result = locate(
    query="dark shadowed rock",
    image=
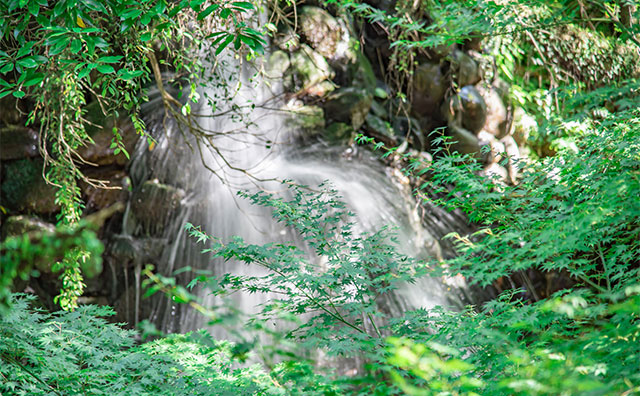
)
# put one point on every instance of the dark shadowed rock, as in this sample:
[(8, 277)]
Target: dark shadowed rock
[(428, 89), (99, 198), (18, 142), (349, 105), (153, 204), (20, 225), (101, 152), (338, 132), (465, 141), (9, 113), (466, 109), (24, 190), (466, 69), (379, 127)]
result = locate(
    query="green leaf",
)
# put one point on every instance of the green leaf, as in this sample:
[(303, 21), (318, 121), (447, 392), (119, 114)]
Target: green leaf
[(84, 72), (34, 8), (145, 37), (243, 4), (224, 44), (105, 69), (208, 11), (28, 63), (33, 81), (109, 59), (18, 94), (7, 68), (76, 46), (131, 13)]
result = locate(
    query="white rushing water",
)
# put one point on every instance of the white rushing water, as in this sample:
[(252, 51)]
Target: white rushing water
[(251, 158)]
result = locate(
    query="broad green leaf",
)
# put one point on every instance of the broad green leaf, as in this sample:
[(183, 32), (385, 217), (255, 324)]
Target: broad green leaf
[(224, 44), (243, 4), (105, 69), (33, 81), (109, 59), (29, 63), (207, 11), (7, 68)]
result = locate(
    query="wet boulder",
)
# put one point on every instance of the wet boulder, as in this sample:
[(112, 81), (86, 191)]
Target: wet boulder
[(428, 89), (496, 119), (286, 39), (349, 105), (101, 132), (523, 126), (154, 203), (20, 225), (361, 75), (338, 132), (379, 128), (326, 34), (467, 70), (467, 109), (277, 65), (495, 150), (496, 171), (18, 142), (410, 129), (308, 72), (306, 120), (513, 154)]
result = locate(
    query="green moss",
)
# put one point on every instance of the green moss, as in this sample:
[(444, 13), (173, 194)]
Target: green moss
[(19, 177)]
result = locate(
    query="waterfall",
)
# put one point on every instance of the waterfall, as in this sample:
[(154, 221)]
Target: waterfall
[(252, 149)]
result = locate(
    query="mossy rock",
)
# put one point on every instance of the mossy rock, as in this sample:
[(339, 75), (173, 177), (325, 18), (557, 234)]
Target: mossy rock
[(307, 70), (24, 190), (306, 121), (339, 132), (349, 105), (326, 34)]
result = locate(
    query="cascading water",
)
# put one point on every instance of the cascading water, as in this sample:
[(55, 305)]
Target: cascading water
[(201, 187)]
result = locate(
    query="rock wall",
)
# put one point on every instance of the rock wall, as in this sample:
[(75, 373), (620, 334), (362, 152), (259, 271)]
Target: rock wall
[(338, 74), (27, 202)]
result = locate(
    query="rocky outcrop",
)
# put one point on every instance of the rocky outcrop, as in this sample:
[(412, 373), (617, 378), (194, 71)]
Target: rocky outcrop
[(327, 35)]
